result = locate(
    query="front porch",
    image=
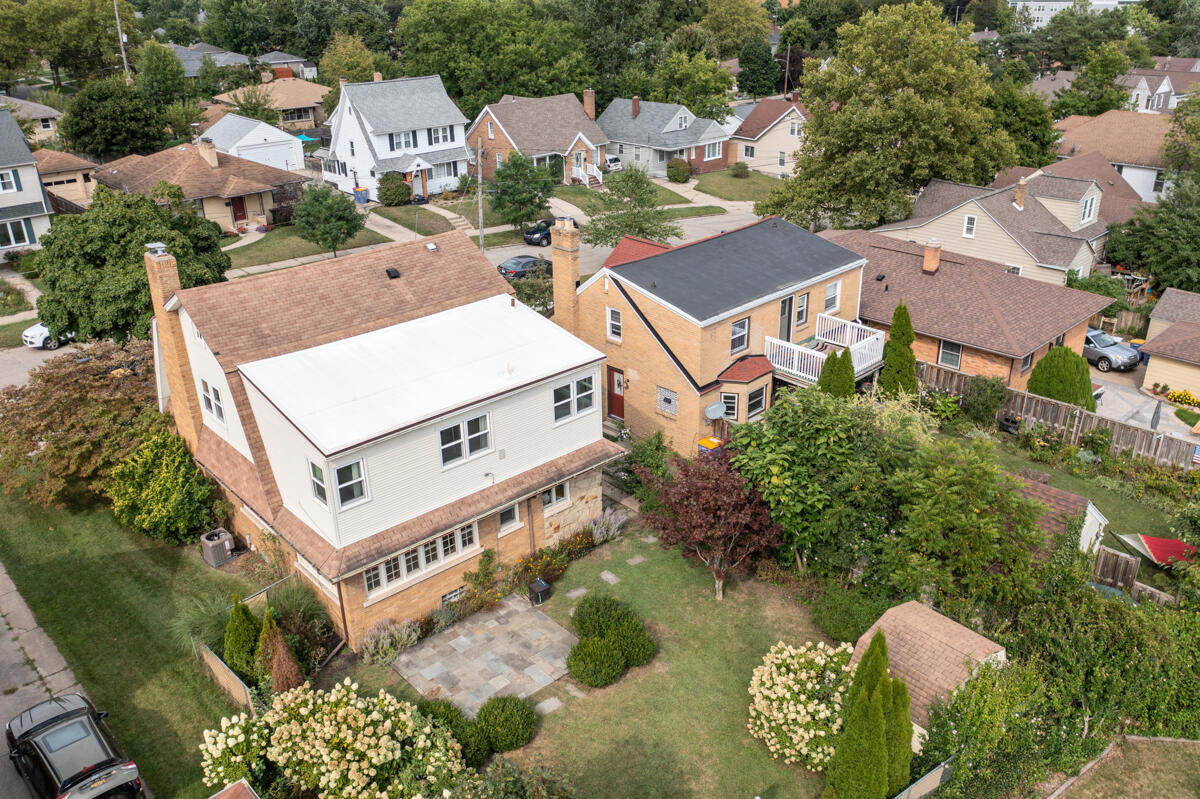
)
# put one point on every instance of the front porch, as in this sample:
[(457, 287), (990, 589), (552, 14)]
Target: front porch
[(804, 363)]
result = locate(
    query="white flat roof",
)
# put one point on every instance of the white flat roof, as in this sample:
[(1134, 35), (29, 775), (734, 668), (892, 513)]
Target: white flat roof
[(351, 391)]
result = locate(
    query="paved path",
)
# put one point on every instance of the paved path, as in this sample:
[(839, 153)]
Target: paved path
[(30, 291), (16, 363), (386, 227), (697, 197), (1126, 403), (249, 237)]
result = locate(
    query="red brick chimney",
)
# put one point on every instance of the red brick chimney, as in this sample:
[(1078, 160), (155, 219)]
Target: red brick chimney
[(637, 105), (933, 257), (1019, 195), (565, 244), (163, 275), (589, 103)]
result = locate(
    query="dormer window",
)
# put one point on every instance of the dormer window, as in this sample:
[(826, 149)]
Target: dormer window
[(1088, 211), (682, 122)]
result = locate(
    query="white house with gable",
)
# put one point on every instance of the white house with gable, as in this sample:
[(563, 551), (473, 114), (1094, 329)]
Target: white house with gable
[(257, 141)]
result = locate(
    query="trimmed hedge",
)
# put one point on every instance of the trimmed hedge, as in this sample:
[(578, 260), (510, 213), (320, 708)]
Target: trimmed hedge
[(629, 637), (508, 722), (476, 748), (597, 613), (596, 662), (679, 170)]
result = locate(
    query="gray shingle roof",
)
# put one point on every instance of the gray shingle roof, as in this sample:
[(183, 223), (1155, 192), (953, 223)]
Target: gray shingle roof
[(29, 109), (192, 57), (619, 124), (231, 129), (390, 106), (541, 125), (278, 57), (21, 211), (13, 149), (404, 163)]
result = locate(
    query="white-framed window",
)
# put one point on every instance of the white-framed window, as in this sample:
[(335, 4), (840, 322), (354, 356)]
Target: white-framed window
[(442, 134), (446, 170), (491, 130), (614, 324), (351, 484), (681, 123), (316, 476), (211, 397), (1013, 269), (756, 402), (1088, 212), (454, 596), (1159, 182), (712, 150), (794, 128), (801, 309), (1027, 362), (668, 401), (730, 402), (969, 226), (748, 150), (465, 440), (555, 495), (499, 160), (423, 556), (833, 296), (9, 181), (13, 234), (574, 398), (950, 354), (739, 335), (449, 544), (47, 123), (409, 138), (510, 518), (782, 158), (430, 552)]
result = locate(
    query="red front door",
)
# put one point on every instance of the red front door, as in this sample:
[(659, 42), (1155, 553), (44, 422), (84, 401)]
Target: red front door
[(239, 209), (616, 393)]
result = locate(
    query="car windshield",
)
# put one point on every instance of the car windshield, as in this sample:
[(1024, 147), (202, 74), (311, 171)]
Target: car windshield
[(1104, 340), (514, 263)]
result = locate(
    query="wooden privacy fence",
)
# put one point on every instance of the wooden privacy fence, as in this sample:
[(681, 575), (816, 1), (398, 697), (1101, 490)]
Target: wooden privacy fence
[(1124, 320), (1071, 421), (230, 683), (1116, 568), (928, 783)]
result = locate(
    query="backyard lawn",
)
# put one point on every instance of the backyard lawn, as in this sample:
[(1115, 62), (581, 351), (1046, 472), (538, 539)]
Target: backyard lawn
[(1145, 769), (416, 218), (10, 334), (107, 596), (724, 185), (283, 243), (676, 727)]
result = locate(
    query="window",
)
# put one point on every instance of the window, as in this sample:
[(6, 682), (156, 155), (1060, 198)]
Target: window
[(499, 160), (1027, 362), (782, 157), (1013, 269), (211, 396), (10, 181), (747, 150), (794, 128), (712, 150), (950, 354), (372, 579), (801, 309), (668, 401), (1089, 210), (474, 432), (491, 130), (620, 149), (731, 402), (1159, 183), (574, 398), (351, 483), (833, 296), (13, 234), (316, 475), (449, 544), (555, 495), (614, 324), (429, 552), (296, 114), (466, 536), (441, 135), (351, 148), (756, 402), (47, 123), (739, 335), (969, 226), (446, 170), (510, 518), (454, 596), (421, 557), (1058, 342), (412, 560)]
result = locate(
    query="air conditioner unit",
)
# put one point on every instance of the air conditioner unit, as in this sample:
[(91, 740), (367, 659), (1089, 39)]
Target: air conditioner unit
[(217, 547)]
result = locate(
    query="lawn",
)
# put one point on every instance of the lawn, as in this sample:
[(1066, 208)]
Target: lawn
[(11, 299), (689, 211), (724, 185), (106, 597), (416, 218), (1187, 417), (676, 727), (283, 243), (371, 678), (468, 208), (501, 238), (10, 334), (585, 199), (1145, 769)]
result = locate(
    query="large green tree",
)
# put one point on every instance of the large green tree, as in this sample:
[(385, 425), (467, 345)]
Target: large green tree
[(902, 102), (237, 25), (1062, 374), (1072, 33), (255, 102), (899, 372), (996, 15), (615, 35), (629, 207), (79, 36), (837, 375), (1181, 150), (759, 70), (345, 57), (1164, 239), (326, 217), (698, 83), (1026, 118), (858, 767), (1187, 23), (17, 60), (1094, 89), (520, 191), (825, 17), (108, 119), (732, 23), (160, 75)]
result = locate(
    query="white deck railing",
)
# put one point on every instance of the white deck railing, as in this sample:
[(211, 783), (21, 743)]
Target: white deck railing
[(594, 171), (865, 343), (577, 173), (794, 360)]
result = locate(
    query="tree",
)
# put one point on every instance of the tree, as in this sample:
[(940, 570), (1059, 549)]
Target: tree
[(78, 36), (241, 638), (159, 491), (535, 290), (92, 265), (1164, 239), (797, 32), (16, 58), (521, 191), (732, 23), (284, 670), (996, 15), (859, 765), (1094, 89), (504, 779), (712, 513), (394, 189), (826, 17), (698, 83), (872, 669), (899, 372), (318, 21), (902, 102), (837, 375), (1063, 375), (1187, 22), (616, 35), (1181, 151), (760, 71), (180, 115), (1105, 286), (692, 40), (255, 102), (1027, 119), (326, 217), (236, 25), (898, 730), (108, 119), (181, 31), (345, 57), (160, 75), (629, 208)]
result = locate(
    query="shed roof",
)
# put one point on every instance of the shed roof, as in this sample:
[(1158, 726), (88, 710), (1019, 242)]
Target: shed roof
[(1061, 506)]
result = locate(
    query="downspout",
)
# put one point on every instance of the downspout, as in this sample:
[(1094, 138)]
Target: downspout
[(342, 606)]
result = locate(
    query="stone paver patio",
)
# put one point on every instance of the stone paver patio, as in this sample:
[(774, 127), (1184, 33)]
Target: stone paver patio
[(514, 649)]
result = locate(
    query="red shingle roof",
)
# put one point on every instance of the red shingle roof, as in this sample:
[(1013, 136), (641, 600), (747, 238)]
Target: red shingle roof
[(746, 369), (633, 248), (765, 115)]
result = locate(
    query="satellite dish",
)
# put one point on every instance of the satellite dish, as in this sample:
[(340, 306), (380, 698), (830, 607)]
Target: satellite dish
[(714, 411)]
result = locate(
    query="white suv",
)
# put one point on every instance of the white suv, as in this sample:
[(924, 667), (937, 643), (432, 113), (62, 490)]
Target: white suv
[(39, 337)]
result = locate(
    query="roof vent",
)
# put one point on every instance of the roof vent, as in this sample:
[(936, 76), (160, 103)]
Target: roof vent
[(157, 248), (879, 276), (431, 247), (392, 272)]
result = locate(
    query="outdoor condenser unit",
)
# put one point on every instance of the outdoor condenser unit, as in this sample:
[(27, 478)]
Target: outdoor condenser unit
[(217, 547)]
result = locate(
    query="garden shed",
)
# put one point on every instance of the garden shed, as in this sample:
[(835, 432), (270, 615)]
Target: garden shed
[(1062, 507)]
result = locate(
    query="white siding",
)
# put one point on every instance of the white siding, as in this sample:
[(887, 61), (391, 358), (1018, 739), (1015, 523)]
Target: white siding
[(31, 192), (205, 367), (281, 153), (775, 140), (991, 242), (1141, 179)]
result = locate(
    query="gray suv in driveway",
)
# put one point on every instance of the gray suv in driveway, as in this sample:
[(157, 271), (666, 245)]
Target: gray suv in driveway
[(1105, 352)]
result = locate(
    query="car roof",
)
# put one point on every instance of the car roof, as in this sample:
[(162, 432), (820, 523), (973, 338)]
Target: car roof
[(45, 712), (79, 753)]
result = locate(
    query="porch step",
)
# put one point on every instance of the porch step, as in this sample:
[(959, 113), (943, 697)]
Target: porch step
[(460, 223), (594, 183), (611, 428)]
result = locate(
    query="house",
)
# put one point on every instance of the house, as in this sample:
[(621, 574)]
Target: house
[(1131, 142), (24, 206), (933, 654), (1062, 509), (192, 56), (255, 140), (699, 336), (647, 135), (1174, 358), (1150, 90), (1049, 83), (278, 60), (969, 315), (548, 130), (407, 125), (385, 417), (298, 101), (231, 191), (985, 35), (1041, 227), (1118, 199), (68, 179), (1176, 64), (238, 790), (1175, 305), (1042, 11), (44, 118), (768, 137)]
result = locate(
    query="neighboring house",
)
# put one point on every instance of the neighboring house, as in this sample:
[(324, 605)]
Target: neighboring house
[(277, 60), (44, 118), (933, 654), (257, 141), (647, 135), (68, 179), (1041, 227), (546, 129), (984, 35), (1062, 510), (699, 336), (298, 101), (1150, 90), (1118, 199), (385, 418), (238, 790), (1042, 11), (1175, 305), (212, 114), (1131, 142), (1176, 64), (767, 139), (1174, 357), (192, 56), (231, 191), (1049, 83), (969, 315), (24, 206), (407, 125)]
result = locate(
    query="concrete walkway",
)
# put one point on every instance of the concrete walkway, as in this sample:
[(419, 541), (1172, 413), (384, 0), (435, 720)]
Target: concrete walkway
[(698, 197), (386, 227), (249, 237), (1126, 403), (30, 291)]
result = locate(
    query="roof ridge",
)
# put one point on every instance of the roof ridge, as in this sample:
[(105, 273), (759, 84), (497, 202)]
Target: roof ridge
[(987, 297)]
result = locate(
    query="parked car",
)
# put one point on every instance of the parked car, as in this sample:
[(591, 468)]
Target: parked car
[(63, 749), (39, 337), (1106, 353), (523, 266), (419, 199), (539, 234), (612, 163)]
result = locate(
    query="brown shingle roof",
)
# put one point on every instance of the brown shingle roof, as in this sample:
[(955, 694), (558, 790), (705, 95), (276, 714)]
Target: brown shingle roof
[(1175, 63), (633, 248), (284, 93), (1176, 305), (1120, 199), (1052, 82), (187, 169), (1180, 341), (1124, 137), (238, 790), (764, 116), (970, 300), (1061, 506), (294, 309), (51, 162), (932, 653), (541, 125)]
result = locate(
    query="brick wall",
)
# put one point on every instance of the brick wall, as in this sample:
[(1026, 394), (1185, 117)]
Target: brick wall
[(162, 272), (695, 157), (500, 143)]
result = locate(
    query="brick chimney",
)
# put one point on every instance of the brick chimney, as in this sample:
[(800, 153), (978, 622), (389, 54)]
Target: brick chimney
[(795, 97), (1019, 195), (637, 105), (182, 400), (267, 76), (565, 245), (377, 77), (589, 103), (208, 151), (933, 257)]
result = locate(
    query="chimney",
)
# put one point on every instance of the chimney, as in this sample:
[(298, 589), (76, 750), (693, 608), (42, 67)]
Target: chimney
[(342, 81), (637, 105), (377, 77), (565, 261), (589, 103), (267, 76), (795, 97), (208, 151), (933, 257), (170, 348), (1019, 195)]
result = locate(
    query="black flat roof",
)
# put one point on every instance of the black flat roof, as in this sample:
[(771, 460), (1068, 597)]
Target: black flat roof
[(714, 276)]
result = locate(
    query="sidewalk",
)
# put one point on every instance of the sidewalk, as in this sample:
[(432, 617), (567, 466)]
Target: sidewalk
[(258, 269), (30, 291), (689, 191)]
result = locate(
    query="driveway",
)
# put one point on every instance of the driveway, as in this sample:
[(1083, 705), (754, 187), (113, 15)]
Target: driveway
[(1124, 402), (15, 363)]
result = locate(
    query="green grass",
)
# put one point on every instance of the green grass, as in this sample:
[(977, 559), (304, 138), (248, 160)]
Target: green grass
[(468, 208), (585, 199), (501, 238), (1187, 417), (724, 185), (371, 678), (668, 197), (283, 243), (676, 727), (10, 334), (105, 596), (1146, 769), (694, 210), (416, 218), (12, 300)]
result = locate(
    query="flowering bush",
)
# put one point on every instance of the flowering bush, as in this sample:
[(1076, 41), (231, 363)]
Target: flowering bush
[(796, 706), (1183, 397), (339, 745), (383, 642)]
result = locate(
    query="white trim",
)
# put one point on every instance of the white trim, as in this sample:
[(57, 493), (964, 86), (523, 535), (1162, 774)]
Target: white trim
[(608, 323), (708, 157), (780, 118), (758, 413), (556, 505), (732, 335), (941, 344), (366, 494), (837, 306), (736, 408), (981, 210), (573, 401), (515, 524), (970, 221), (318, 579), (387, 589), (586, 141), (312, 482), (464, 440)]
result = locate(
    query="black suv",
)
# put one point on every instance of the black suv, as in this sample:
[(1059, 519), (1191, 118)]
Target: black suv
[(539, 234), (63, 749)]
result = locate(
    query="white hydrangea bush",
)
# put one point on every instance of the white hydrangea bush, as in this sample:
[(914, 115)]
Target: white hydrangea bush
[(337, 744), (796, 701)]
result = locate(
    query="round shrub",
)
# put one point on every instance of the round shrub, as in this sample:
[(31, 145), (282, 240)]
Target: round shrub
[(596, 613), (596, 662), (679, 171), (470, 736), (740, 170), (384, 641), (393, 190), (508, 722), (628, 636)]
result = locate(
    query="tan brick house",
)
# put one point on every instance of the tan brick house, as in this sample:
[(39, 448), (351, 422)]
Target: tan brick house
[(701, 335), (379, 420), (1173, 342), (970, 315)]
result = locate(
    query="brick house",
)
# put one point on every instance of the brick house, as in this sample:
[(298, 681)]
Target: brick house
[(970, 315), (648, 135), (546, 129), (701, 335), (378, 420)]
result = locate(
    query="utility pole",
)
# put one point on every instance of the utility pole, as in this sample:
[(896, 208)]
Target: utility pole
[(121, 39), (479, 185)]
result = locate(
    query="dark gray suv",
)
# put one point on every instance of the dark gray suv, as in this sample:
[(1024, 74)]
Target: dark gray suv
[(63, 750), (1105, 352)]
